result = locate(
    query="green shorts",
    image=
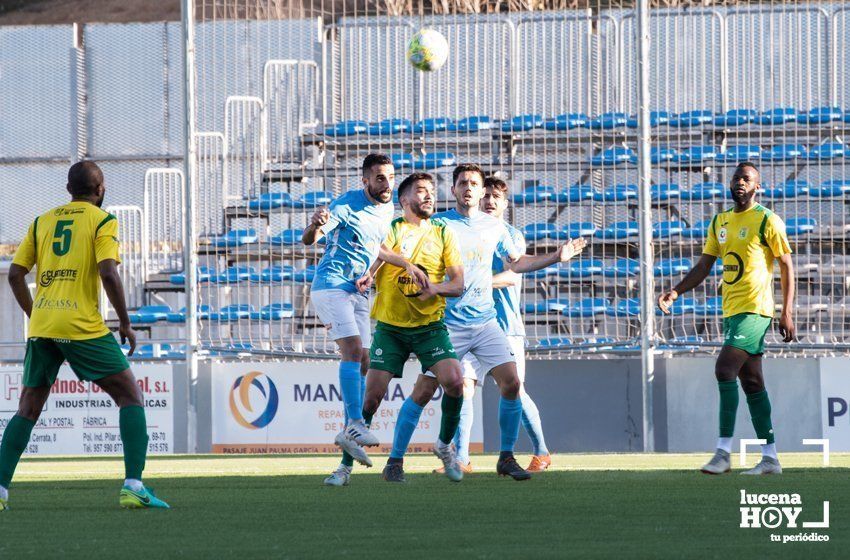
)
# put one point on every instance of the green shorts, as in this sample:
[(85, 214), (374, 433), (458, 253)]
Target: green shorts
[(392, 346), (746, 331), (91, 360)]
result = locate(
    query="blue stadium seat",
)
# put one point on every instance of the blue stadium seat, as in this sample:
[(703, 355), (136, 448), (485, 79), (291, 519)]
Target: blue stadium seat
[(471, 124), (576, 193), (624, 308), (617, 193), (566, 121), (150, 314), (233, 312), (522, 123), (800, 225), (820, 115), (709, 307), (177, 352), (578, 229), (784, 152), (613, 156), (846, 117), (388, 127), (664, 191), (534, 194), (788, 189), (704, 191), (555, 342), (780, 115), (273, 312), (834, 188), (541, 230), (435, 124), (312, 200), (691, 342), (555, 305), (671, 267), (347, 128), (402, 161), (692, 118), (697, 231), (287, 237), (274, 275), (235, 274), (581, 268), (180, 316), (655, 118), (434, 160), (681, 306), (698, 154), (607, 121), (660, 154), (735, 117), (666, 230), (544, 273), (304, 276), (205, 274), (588, 307), (270, 201), (619, 230), (740, 153), (622, 268), (142, 352), (827, 150), (717, 268), (235, 238)]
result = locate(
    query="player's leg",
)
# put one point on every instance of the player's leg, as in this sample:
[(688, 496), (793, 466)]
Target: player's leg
[(41, 365), (408, 419), (450, 377), (752, 381), (726, 369), (496, 356), (471, 377), (530, 413)]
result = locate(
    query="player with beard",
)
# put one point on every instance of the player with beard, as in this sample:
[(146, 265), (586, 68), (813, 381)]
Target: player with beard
[(355, 225), (748, 238), (409, 315)]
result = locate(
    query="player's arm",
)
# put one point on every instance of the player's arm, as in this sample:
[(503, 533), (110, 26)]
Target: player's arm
[(112, 285), (18, 283), (313, 232), (506, 279), (364, 283), (529, 263), (692, 279), (391, 257), (453, 287), (786, 320)]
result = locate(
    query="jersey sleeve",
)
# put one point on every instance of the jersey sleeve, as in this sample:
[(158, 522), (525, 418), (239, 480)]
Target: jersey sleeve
[(712, 247), (106, 243), (25, 255), (506, 246), (392, 236), (775, 237), (451, 248)]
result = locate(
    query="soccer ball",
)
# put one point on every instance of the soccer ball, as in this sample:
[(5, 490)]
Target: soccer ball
[(428, 50)]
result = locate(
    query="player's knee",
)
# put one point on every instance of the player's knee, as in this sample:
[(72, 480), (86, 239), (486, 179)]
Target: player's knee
[(371, 402), (725, 372), (750, 385), (454, 387), (31, 403), (510, 388)]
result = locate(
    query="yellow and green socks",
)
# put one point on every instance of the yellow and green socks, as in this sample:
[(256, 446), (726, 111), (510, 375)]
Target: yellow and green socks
[(15, 440), (450, 407), (134, 436)]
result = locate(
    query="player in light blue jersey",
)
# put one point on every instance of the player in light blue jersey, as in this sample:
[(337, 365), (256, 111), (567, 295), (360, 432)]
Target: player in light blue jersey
[(471, 318), (355, 225), (507, 293)]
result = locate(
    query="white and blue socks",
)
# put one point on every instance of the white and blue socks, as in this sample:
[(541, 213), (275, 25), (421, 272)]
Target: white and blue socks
[(350, 383), (408, 419), (464, 431), (510, 414), (532, 424)]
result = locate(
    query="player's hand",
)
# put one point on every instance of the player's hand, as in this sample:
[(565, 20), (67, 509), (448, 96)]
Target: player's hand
[(428, 292), (572, 248), (364, 283), (786, 327), (419, 276), (320, 217), (128, 335), (665, 301)]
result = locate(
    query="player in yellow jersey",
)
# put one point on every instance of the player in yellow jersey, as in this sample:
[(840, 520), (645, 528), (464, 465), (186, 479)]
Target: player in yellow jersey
[(748, 238), (409, 315), (74, 248)]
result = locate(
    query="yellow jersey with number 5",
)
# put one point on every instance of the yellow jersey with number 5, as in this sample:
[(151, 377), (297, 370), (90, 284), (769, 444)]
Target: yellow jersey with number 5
[(65, 245), (747, 243)]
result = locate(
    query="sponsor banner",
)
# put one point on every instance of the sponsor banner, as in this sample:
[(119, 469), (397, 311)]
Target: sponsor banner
[(835, 402), (79, 418), (289, 407)]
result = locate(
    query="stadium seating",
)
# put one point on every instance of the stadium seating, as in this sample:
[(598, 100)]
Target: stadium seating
[(617, 193), (834, 188), (740, 153), (312, 200), (522, 123), (233, 312), (698, 154), (664, 191), (274, 312), (712, 306), (681, 306), (347, 128), (555, 305), (692, 118), (389, 127), (235, 238), (581, 268), (697, 231), (622, 268), (567, 121), (827, 150), (619, 230), (607, 121), (656, 118), (784, 152), (273, 275), (287, 237), (471, 124), (666, 230), (614, 156), (660, 155), (735, 117), (780, 115), (704, 191), (435, 124), (180, 316), (150, 314), (534, 194), (555, 342), (304, 276), (576, 193), (545, 230), (205, 274), (270, 201), (820, 115), (800, 225), (788, 189), (672, 267), (624, 308), (587, 307), (235, 274)]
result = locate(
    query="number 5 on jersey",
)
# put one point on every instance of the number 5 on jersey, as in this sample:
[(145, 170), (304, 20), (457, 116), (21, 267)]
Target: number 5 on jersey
[(62, 237)]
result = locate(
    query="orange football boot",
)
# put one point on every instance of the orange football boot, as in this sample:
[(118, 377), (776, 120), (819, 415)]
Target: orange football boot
[(466, 469), (539, 463)]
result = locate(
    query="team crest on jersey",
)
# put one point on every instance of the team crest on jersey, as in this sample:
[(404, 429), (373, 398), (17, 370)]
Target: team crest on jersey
[(721, 235), (743, 233), (407, 245)]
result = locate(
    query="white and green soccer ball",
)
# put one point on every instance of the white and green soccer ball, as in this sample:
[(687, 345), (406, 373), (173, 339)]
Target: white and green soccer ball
[(428, 50)]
